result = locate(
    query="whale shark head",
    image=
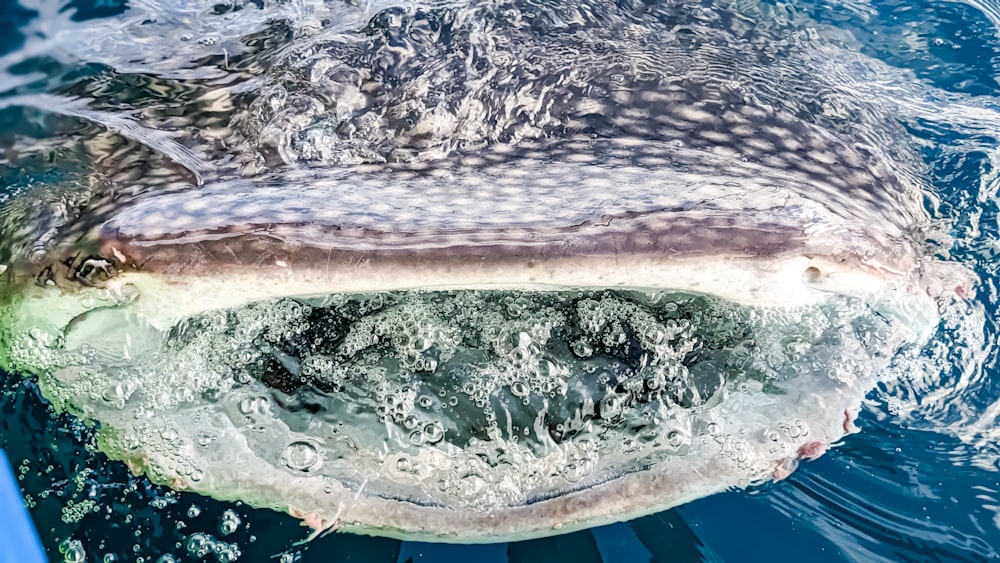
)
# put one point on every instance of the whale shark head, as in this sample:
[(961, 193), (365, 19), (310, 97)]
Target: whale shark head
[(413, 283)]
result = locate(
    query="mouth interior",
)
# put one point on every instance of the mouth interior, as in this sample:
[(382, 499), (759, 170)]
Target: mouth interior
[(476, 399)]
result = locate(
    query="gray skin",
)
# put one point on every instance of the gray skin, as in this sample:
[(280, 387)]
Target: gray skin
[(473, 90), (504, 146)]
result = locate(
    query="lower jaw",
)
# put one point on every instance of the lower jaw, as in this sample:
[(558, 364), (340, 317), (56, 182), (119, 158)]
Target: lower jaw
[(476, 415)]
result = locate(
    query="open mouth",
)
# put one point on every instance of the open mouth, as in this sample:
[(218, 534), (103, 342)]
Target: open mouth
[(474, 415)]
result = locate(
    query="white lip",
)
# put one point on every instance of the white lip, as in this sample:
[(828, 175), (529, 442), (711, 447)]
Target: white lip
[(790, 280)]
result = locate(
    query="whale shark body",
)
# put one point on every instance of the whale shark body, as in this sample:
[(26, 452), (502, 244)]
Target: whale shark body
[(479, 272)]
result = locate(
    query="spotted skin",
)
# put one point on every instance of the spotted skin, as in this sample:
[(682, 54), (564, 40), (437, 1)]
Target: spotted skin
[(498, 130)]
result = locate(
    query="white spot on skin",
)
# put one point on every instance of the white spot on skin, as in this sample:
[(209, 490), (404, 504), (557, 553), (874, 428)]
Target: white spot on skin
[(823, 157), (695, 115), (760, 144), (716, 136), (791, 144), (668, 97)]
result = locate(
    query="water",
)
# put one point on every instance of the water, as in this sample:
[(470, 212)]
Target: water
[(919, 481)]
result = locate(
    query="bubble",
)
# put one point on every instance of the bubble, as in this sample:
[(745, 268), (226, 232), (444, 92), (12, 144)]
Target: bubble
[(742, 452), (792, 430), (550, 369), (249, 405), (227, 553), (629, 445), (125, 294), (229, 522), (433, 432), (427, 365), (655, 381), (519, 389), (114, 394), (811, 275), (675, 438), (611, 406), (72, 551), (301, 456), (421, 344), (653, 335), (802, 427), (582, 349), (471, 485), (403, 464), (199, 544), (162, 502), (417, 438)]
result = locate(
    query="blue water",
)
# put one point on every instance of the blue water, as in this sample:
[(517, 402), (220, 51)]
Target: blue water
[(920, 482)]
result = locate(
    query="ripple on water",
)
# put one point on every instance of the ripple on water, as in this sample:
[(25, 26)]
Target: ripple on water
[(919, 480)]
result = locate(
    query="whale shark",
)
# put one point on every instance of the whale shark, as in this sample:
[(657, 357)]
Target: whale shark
[(478, 271)]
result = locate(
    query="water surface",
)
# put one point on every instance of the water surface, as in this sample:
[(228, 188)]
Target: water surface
[(919, 481)]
